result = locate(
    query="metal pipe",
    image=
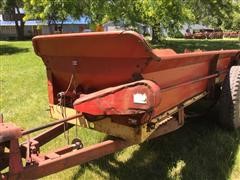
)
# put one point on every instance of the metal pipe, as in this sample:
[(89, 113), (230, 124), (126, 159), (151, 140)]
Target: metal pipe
[(50, 124), (69, 159), (193, 81)]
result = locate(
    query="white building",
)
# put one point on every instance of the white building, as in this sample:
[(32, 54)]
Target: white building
[(120, 26), (37, 27)]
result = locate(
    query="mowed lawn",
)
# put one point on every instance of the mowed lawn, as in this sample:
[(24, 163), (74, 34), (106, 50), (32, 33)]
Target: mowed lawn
[(199, 150)]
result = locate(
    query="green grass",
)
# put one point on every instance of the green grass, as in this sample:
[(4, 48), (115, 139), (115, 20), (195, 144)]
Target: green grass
[(192, 44), (199, 150)]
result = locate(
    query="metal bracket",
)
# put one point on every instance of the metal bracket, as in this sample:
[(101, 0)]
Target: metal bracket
[(181, 114), (211, 82), (50, 86), (15, 159)]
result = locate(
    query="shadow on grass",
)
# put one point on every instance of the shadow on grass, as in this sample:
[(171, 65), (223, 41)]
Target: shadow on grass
[(180, 45), (199, 150), (9, 50)]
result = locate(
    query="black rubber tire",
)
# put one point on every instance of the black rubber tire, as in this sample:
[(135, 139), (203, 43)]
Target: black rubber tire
[(229, 115)]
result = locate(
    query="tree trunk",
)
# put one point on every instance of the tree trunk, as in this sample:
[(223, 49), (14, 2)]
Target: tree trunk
[(20, 29), (19, 24), (50, 29), (156, 33), (61, 27)]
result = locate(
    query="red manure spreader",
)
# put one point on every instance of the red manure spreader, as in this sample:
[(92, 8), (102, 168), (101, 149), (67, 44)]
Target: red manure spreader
[(115, 83)]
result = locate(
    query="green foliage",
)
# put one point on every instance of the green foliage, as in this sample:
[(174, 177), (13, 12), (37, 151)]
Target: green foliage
[(236, 22), (9, 5), (236, 18), (12, 8), (96, 10), (164, 14), (52, 11), (216, 13), (161, 15)]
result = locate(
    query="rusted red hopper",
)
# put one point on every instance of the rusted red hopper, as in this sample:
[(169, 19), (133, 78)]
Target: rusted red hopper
[(124, 68), (114, 82)]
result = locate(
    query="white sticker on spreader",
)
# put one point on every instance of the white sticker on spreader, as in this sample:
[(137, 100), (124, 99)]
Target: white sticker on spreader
[(140, 98)]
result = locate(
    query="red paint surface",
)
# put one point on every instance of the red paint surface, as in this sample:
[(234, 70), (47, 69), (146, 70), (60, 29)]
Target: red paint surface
[(112, 59)]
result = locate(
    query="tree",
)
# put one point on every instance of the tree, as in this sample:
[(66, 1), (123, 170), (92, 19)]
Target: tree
[(215, 13), (53, 11), (12, 8), (96, 10), (236, 21), (159, 14), (163, 15), (236, 17)]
